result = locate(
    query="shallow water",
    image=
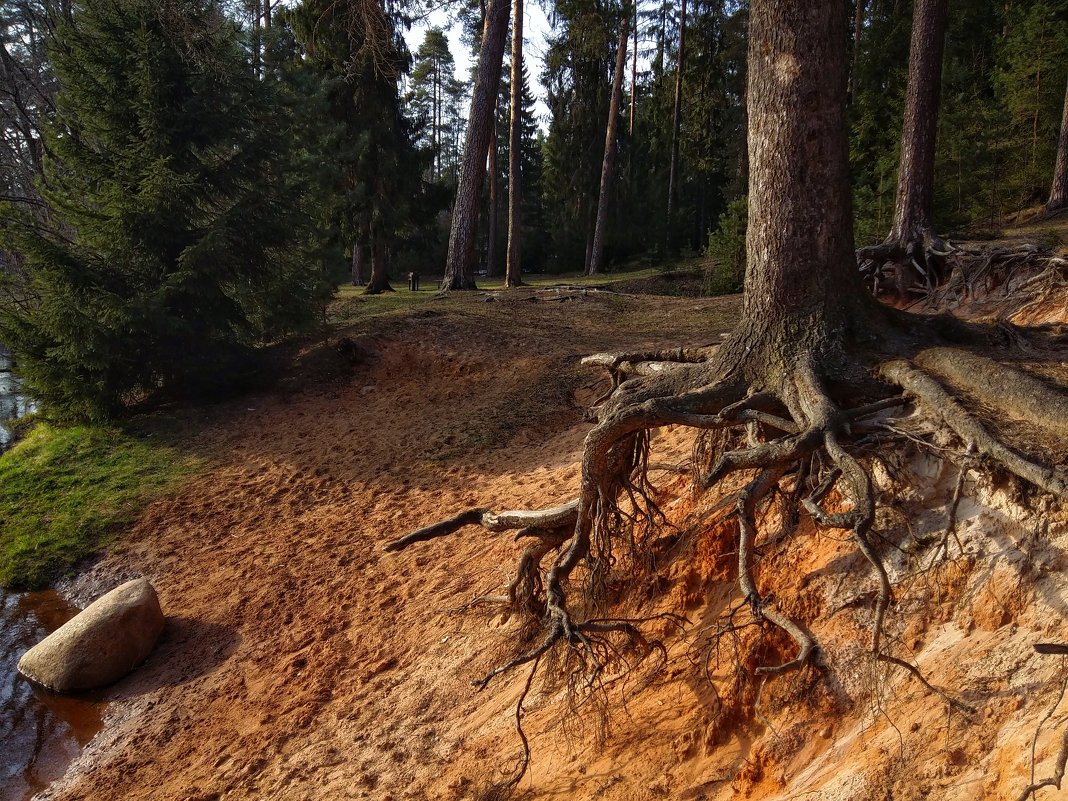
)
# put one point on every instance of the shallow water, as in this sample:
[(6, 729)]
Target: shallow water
[(13, 404), (40, 732)]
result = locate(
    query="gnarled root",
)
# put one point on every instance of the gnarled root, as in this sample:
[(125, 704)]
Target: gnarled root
[(944, 275), (906, 268), (782, 431)]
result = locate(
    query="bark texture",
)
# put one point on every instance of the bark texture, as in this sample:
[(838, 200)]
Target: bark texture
[(459, 267), (513, 267), (596, 260), (1058, 193), (912, 258), (633, 72), (491, 205), (802, 287), (915, 182), (858, 27), (359, 264), (379, 282), (676, 128)]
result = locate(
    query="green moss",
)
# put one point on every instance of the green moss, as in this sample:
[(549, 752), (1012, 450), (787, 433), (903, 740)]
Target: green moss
[(64, 492)]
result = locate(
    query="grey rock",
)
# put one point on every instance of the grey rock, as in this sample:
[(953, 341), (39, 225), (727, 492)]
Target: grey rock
[(100, 644)]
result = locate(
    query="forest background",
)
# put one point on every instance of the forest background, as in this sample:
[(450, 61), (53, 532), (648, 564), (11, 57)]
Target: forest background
[(230, 163)]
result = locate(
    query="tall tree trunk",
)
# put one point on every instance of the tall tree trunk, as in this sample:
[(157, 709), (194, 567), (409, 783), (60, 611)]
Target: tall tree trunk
[(459, 272), (267, 14), (742, 173), (661, 39), (858, 27), (676, 128), (1058, 193), (589, 245), (801, 280), (491, 211), (359, 263), (434, 146), (633, 73), (607, 166), (379, 282), (257, 37), (915, 182), (513, 267)]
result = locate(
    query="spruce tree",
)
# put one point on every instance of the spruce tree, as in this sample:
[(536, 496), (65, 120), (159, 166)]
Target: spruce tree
[(170, 247), (360, 59)]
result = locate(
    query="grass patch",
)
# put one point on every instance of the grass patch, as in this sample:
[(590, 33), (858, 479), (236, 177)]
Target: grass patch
[(65, 492), (351, 306)]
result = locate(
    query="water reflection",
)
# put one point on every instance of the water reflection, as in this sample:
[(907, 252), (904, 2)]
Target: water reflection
[(13, 404), (41, 732)]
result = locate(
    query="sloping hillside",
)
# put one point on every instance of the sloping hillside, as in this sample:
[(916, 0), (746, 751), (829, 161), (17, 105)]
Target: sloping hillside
[(302, 662)]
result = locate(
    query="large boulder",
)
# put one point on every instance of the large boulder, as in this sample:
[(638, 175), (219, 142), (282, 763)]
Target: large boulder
[(100, 644)]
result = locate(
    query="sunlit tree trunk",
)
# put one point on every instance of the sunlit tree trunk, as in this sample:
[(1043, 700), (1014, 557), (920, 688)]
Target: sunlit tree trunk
[(633, 72), (676, 128), (491, 211), (513, 268), (802, 288), (608, 164), (459, 266), (915, 182), (1058, 194)]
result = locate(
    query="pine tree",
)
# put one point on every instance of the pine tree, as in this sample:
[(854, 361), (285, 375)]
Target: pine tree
[(482, 120), (360, 59), (1058, 193), (175, 216), (531, 212), (577, 78), (514, 259), (433, 101), (596, 259)]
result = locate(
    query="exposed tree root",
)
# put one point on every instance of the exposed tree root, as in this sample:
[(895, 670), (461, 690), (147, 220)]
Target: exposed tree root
[(1011, 392), (950, 701), (771, 416), (1017, 275), (905, 269), (941, 405), (1062, 755), (503, 790), (945, 275), (558, 517)]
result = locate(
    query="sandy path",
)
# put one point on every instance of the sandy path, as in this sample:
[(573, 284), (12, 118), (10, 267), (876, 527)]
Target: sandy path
[(301, 662)]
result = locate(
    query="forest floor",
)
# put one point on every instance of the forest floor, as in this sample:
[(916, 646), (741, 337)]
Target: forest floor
[(300, 661)]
